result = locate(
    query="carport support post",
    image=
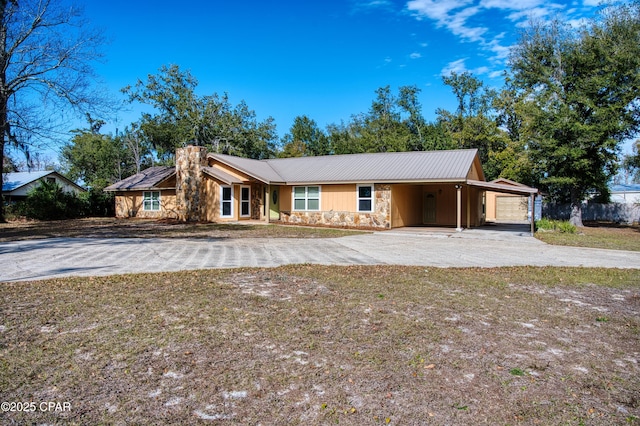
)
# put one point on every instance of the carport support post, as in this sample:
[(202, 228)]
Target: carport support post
[(267, 203), (459, 208), (532, 199)]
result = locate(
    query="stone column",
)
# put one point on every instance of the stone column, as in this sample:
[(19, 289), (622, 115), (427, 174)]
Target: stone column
[(189, 184)]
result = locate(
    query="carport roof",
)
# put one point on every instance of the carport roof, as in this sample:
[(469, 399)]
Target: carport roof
[(518, 189), (390, 167)]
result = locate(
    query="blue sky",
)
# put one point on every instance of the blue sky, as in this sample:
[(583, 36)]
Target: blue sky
[(324, 59)]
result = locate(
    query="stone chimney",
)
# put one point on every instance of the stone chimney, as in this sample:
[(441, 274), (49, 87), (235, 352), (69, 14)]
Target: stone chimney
[(189, 182)]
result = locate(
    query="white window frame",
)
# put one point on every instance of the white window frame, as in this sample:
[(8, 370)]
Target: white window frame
[(306, 198), (222, 201), (247, 201), (148, 201), (371, 198)]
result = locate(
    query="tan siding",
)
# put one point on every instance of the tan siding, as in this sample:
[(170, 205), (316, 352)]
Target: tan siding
[(169, 183), (233, 172), (129, 204), (285, 198), (338, 198), (406, 205), (491, 205), (473, 173), (211, 200)]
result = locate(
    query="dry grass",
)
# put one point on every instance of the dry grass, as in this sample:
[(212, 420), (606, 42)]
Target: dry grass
[(150, 228), (597, 235), (323, 345)]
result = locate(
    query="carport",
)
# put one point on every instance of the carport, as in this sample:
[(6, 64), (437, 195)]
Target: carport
[(500, 188)]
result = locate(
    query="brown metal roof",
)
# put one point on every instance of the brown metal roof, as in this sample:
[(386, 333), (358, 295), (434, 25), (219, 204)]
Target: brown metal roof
[(147, 179), (415, 166)]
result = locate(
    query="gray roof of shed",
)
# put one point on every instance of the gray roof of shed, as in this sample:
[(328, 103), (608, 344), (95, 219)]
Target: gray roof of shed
[(146, 179), (415, 166)]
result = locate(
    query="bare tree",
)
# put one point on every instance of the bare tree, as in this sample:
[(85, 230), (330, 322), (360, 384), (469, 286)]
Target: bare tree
[(46, 55)]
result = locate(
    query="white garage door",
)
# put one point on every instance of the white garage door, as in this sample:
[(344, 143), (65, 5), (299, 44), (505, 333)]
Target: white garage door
[(511, 208)]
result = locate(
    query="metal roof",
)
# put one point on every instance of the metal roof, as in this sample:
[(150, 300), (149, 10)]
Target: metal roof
[(15, 180), (518, 189), (222, 176), (414, 166), (146, 179), (257, 169), (625, 188)]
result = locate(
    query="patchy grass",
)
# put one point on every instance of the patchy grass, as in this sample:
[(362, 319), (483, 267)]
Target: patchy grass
[(596, 235), (309, 344), (150, 228)]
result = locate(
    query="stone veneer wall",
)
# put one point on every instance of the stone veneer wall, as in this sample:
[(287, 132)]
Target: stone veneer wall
[(380, 218), (189, 182)]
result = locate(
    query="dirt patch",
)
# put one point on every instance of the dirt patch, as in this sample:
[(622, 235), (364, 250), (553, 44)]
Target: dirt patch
[(317, 345)]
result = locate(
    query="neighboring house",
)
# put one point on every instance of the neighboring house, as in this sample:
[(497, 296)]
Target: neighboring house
[(16, 186), (380, 190), (626, 194)]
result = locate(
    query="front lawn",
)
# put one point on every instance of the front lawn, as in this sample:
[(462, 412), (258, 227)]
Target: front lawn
[(151, 228), (596, 235), (312, 345)]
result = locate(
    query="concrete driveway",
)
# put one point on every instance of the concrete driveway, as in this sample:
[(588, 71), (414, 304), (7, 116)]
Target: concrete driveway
[(59, 257)]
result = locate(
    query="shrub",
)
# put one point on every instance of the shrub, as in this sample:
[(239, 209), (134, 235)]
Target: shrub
[(556, 225), (48, 201), (545, 224), (566, 227)]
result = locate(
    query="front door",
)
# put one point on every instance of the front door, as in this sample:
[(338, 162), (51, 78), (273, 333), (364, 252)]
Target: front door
[(274, 203), (429, 208)]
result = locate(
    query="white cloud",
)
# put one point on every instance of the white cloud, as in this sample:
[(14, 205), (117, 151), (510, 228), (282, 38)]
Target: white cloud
[(455, 66), (436, 9), (460, 67), (578, 23), (510, 4), (415, 55), (591, 3), (373, 4), (457, 25)]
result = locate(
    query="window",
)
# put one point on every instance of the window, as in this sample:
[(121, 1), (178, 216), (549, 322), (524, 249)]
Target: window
[(306, 198), (226, 201), (365, 198), (151, 200), (245, 201)]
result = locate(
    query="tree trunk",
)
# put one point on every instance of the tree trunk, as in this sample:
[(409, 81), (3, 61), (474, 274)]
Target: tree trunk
[(576, 209), (4, 132)]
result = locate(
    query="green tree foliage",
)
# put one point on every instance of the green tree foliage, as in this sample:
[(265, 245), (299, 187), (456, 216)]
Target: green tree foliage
[(305, 138), (473, 124), (393, 123), (48, 201), (581, 90), (99, 160), (183, 117), (631, 162), (46, 51)]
